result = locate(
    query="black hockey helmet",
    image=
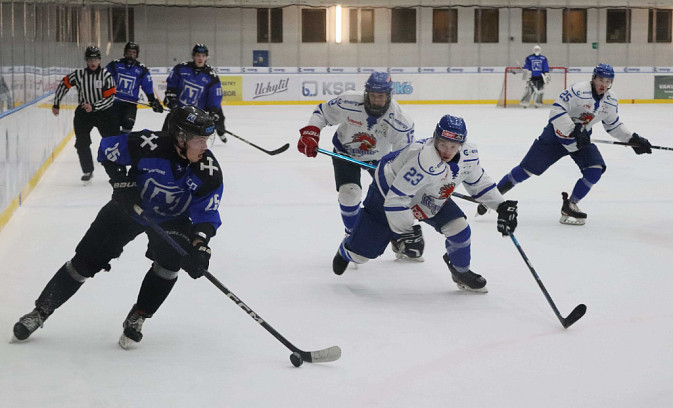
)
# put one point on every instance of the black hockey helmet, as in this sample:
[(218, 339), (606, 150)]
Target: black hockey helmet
[(187, 122), (92, 52), (132, 46), (200, 48)]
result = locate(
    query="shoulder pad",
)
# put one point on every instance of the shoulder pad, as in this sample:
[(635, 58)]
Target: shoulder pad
[(148, 143), (209, 171), (429, 160)]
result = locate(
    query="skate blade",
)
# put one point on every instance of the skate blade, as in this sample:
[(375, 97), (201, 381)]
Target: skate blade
[(466, 288), (15, 340), (568, 220), (86, 183), (404, 258), (125, 342)]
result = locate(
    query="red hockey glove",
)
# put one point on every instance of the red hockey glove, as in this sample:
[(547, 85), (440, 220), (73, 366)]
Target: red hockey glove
[(308, 142)]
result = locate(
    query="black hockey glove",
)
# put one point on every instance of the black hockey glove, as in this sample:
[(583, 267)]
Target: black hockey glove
[(218, 118), (581, 136), (197, 260), (640, 145), (411, 244), (171, 100), (156, 105), (125, 192), (507, 217)]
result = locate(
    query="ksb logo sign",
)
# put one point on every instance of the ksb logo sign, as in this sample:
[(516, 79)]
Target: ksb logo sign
[(311, 88), (402, 88)]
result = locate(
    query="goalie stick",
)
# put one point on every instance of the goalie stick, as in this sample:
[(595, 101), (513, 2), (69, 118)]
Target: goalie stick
[(269, 152), (371, 166), (298, 355), (577, 312), (630, 145)]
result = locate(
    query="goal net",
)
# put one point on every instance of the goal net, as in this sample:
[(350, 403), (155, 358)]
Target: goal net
[(514, 86)]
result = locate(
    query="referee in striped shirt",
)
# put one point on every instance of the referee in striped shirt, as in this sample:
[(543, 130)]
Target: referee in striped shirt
[(96, 90)]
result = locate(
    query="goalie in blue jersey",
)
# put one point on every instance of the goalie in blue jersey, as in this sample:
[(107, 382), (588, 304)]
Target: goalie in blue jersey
[(536, 76)]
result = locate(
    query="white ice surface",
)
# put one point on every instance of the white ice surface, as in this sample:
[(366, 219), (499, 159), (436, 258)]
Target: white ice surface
[(409, 337)]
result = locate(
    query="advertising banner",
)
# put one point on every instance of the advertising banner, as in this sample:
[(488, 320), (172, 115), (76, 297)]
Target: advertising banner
[(663, 87), (232, 88)]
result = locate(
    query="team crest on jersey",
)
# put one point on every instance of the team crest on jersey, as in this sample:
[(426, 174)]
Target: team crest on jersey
[(586, 117), (165, 200), (446, 190), (365, 141)]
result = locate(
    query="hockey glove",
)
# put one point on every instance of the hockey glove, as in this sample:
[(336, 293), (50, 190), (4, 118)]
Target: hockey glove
[(507, 217), (218, 118), (411, 244), (156, 105), (581, 136), (197, 260), (171, 100), (308, 142), (125, 192), (640, 145)]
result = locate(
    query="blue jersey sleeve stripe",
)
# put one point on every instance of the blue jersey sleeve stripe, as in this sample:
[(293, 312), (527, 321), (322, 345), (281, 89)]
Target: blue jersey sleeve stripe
[(484, 191), (394, 209), (398, 192)]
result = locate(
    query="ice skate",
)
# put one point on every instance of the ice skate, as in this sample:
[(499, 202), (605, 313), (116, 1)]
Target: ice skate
[(339, 264), (132, 328), (27, 324), (401, 256), (467, 281), (571, 213), (86, 178)]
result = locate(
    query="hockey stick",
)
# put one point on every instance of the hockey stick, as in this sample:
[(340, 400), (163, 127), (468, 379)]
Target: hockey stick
[(269, 152), (629, 144), (371, 166), (298, 356), (574, 316)]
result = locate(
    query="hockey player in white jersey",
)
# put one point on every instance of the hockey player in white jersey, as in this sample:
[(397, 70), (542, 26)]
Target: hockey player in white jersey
[(415, 184), (568, 133), (370, 125)]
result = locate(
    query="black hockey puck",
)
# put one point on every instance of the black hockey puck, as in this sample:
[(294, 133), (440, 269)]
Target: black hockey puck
[(296, 359)]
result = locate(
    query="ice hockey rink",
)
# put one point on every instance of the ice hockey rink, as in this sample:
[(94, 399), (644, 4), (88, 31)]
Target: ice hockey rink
[(409, 337)]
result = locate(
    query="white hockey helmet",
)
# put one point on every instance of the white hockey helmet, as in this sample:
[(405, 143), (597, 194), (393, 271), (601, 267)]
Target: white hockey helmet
[(537, 50)]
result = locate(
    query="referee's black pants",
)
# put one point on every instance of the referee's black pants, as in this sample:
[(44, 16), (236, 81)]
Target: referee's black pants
[(84, 122)]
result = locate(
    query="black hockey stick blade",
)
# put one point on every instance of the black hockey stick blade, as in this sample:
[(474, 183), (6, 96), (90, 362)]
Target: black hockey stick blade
[(269, 152), (575, 315)]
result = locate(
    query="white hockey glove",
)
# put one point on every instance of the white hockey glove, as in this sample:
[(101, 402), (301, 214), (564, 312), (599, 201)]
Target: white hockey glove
[(546, 78)]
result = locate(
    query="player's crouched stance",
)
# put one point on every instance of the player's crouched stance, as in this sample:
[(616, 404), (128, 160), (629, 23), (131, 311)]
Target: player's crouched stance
[(416, 183), (177, 182)]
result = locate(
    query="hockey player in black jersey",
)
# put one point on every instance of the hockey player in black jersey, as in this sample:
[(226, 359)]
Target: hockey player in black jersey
[(177, 182)]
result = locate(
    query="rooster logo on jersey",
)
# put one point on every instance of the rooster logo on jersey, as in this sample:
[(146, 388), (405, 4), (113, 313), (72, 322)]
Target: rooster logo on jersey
[(586, 117), (365, 141), (446, 190)]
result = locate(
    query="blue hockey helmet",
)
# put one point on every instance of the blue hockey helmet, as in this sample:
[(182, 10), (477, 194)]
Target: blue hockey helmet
[(200, 48), (604, 71), (451, 128), (378, 82)]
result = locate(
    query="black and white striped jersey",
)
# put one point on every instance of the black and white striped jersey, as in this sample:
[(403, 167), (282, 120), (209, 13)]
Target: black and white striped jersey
[(94, 87)]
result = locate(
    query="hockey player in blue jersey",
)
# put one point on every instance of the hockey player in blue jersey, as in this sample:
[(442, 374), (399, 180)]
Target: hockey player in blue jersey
[(130, 75), (195, 83), (414, 185), (370, 125), (177, 182), (536, 75), (568, 133)]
